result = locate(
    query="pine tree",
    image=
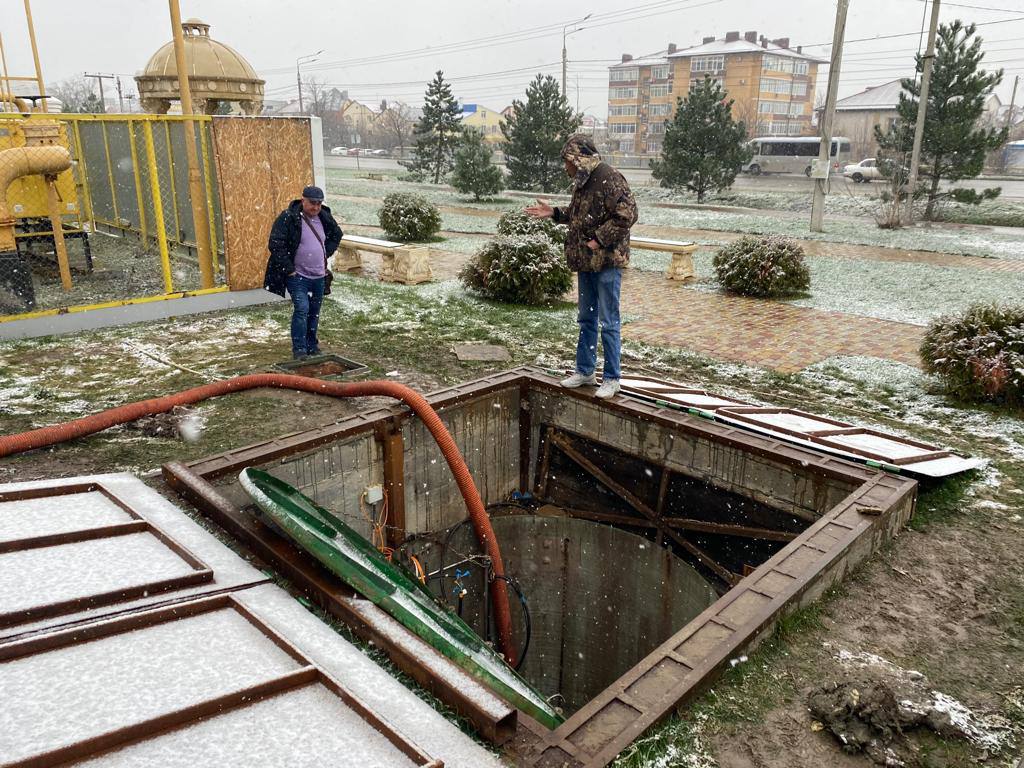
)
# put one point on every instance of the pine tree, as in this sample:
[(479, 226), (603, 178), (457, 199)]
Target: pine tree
[(534, 135), (438, 131), (954, 144), (704, 147), (474, 171)]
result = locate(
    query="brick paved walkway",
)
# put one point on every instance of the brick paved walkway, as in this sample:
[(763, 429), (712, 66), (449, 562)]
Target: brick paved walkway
[(768, 334)]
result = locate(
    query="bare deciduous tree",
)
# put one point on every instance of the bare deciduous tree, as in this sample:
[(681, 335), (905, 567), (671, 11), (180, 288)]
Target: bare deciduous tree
[(397, 123), (76, 94)]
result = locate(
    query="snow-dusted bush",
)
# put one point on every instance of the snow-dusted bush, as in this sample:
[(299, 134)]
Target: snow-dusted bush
[(519, 222), (765, 267), (409, 218), (474, 172), (526, 269), (979, 353)]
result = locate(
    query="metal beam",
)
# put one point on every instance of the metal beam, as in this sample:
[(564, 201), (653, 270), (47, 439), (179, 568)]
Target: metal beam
[(703, 557)]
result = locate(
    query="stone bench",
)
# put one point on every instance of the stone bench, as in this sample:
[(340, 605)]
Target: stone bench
[(681, 267), (408, 264)]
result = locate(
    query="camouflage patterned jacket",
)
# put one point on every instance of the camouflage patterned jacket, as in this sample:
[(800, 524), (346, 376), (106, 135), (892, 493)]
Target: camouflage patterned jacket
[(602, 209)]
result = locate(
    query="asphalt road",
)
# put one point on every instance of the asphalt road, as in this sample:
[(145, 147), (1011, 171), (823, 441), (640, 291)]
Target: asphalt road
[(1012, 190)]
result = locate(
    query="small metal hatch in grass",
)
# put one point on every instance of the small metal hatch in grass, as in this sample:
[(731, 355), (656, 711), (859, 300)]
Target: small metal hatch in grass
[(328, 366)]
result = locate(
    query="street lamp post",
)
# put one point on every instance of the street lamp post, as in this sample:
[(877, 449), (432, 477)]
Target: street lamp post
[(565, 34), (309, 57)]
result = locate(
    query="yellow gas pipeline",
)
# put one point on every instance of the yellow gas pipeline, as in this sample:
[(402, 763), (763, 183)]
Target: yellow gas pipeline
[(40, 155)]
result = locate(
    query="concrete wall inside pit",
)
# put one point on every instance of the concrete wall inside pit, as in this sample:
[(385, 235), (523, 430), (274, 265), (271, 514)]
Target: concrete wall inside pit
[(778, 484), (600, 599)]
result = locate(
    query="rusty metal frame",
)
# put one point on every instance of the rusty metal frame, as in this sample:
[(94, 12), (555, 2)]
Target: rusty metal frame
[(306, 674), (741, 412), (674, 673), (494, 720), (201, 573)]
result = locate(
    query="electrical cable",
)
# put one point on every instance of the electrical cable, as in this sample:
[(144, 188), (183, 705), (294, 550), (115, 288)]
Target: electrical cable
[(527, 624)]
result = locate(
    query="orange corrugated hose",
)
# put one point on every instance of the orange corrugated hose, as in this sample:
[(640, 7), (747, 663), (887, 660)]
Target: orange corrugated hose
[(59, 433)]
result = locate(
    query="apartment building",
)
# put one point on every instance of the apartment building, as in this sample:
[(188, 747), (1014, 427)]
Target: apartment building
[(487, 121), (772, 85)]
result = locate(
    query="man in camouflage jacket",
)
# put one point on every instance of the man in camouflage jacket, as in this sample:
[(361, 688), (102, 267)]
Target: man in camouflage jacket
[(599, 218)]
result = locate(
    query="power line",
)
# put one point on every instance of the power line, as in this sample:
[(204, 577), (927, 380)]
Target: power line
[(501, 39)]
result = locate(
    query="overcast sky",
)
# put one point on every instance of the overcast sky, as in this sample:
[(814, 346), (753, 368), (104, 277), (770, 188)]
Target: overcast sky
[(389, 50)]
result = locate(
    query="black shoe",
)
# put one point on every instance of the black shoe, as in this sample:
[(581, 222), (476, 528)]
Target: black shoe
[(299, 355), (315, 352)]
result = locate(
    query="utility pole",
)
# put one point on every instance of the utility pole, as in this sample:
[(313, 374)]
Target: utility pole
[(120, 96), (35, 55), (824, 151), (922, 112), (565, 57), (196, 191), (307, 59), (100, 78), (1013, 99)]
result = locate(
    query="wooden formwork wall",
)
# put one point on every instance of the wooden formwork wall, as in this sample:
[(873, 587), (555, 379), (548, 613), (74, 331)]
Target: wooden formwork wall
[(486, 431), (262, 165), (798, 491)]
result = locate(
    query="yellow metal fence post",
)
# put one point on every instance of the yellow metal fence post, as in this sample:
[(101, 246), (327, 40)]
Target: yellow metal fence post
[(158, 209), (110, 175), (83, 176), (203, 126), (57, 224), (170, 177), (136, 172)]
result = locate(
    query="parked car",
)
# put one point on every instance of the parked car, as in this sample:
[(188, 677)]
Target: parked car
[(339, 151), (354, 151), (865, 170), (380, 153)]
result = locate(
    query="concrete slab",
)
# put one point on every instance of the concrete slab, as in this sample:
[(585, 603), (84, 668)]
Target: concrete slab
[(107, 317), (483, 352)]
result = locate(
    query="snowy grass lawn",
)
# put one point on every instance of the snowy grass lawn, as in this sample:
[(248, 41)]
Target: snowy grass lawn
[(996, 244), (847, 199), (902, 292)]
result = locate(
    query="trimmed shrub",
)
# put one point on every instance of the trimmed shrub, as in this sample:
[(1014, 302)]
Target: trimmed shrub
[(979, 353), (519, 222), (766, 267), (409, 218), (525, 269)]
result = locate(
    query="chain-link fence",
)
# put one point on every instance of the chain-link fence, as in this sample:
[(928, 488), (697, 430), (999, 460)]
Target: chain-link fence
[(125, 205)]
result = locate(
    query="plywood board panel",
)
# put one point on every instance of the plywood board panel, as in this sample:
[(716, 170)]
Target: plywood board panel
[(262, 164)]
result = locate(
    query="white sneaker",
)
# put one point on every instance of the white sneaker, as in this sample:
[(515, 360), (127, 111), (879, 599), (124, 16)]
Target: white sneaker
[(608, 388), (579, 380)]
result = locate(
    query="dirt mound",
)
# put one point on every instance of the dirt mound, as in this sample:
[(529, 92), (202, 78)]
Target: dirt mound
[(870, 716), (876, 702)]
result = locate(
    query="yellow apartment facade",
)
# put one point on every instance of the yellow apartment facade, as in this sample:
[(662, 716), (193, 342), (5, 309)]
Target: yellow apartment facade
[(487, 121), (772, 85)]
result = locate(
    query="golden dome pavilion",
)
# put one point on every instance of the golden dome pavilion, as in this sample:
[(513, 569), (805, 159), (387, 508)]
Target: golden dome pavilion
[(216, 73)]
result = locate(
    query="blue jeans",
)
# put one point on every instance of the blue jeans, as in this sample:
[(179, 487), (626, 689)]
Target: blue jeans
[(599, 301), (307, 294)]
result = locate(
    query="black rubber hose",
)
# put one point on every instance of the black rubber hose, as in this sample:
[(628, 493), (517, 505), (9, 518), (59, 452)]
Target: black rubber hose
[(526, 618)]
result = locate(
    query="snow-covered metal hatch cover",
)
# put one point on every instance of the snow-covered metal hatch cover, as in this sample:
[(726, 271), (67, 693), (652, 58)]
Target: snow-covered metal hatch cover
[(869, 446)]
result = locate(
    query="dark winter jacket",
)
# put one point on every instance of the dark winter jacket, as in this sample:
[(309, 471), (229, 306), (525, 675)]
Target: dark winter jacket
[(285, 236), (602, 209)]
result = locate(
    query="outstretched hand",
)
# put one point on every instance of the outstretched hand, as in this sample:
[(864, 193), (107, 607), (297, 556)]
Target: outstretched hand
[(541, 210)]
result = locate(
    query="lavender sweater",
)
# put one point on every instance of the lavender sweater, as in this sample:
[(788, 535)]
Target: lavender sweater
[(309, 258)]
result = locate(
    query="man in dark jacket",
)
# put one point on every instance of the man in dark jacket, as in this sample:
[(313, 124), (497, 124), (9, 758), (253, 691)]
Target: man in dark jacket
[(599, 216), (303, 237)]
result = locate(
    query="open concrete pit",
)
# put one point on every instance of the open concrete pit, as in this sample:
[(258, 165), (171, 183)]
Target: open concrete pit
[(651, 546)]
